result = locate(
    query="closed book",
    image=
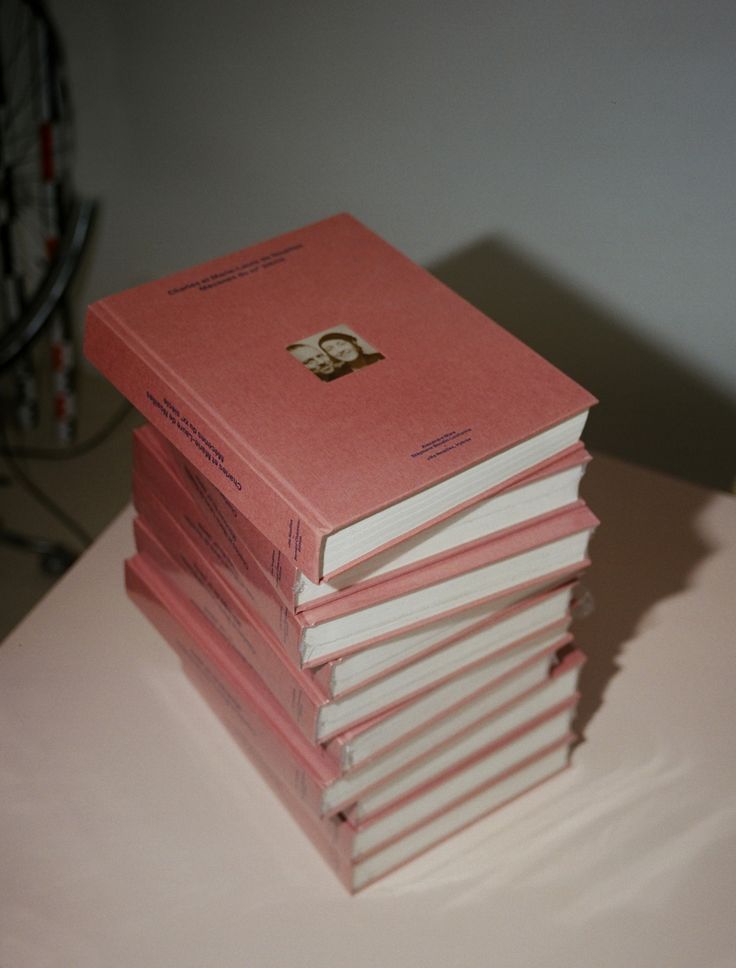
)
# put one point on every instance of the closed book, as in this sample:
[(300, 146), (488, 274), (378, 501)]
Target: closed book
[(441, 711), (458, 734), (362, 850), (507, 618), (242, 547), (427, 404), (300, 692), (506, 566)]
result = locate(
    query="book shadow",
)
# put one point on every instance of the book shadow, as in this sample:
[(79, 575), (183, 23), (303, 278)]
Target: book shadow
[(646, 547), (653, 411)]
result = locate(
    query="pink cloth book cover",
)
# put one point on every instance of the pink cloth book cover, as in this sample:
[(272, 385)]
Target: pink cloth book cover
[(172, 510), (251, 592), (421, 387), (336, 837), (312, 769), (242, 545), (300, 693)]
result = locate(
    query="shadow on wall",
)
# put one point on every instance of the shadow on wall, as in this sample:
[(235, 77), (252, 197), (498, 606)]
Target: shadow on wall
[(652, 411)]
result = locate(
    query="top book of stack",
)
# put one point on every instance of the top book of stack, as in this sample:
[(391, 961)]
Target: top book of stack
[(338, 395)]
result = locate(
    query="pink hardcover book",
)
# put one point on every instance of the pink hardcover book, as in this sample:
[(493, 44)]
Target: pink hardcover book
[(515, 563), (318, 779), (449, 791), (530, 495), (300, 693), (362, 852), (436, 715), (351, 851), (541, 604), (335, 392), (337, 677), (160, 496)]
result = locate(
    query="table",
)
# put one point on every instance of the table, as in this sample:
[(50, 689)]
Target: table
[(133, 831)]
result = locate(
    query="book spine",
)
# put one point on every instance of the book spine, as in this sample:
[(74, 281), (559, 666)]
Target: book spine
[(157, 494), (280, 769), (189, 425), (332, 836), (151, 488), (246, 542), (188, 573), (206, 659)]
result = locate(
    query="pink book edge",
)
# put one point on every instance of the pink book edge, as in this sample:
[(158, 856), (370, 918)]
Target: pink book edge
[(337, 745), (333, 836), (542, 531), (324, 674), (571, 456), (477, 819), (149, 444), (154, 476), (503, 740), (294, 690), (177, 513), (574, 659), (186, 632), (562, 741), (283, 626)]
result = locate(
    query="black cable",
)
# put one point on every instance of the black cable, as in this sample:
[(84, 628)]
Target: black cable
[(22, 333), (71, 525), (55, 557), (66, 453)]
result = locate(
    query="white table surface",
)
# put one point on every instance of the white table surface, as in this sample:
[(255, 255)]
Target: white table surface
[(133, 832)]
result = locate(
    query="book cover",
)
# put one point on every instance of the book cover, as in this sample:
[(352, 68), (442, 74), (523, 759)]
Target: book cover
[(360, 853), (357, 860), (531, 494), (317, 777), (337, 677), (428, 402), (517, 561), (299, 692)]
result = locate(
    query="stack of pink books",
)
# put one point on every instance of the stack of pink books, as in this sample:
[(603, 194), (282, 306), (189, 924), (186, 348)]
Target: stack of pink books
[(359, 526)]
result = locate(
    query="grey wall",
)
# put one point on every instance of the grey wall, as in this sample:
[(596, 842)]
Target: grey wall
[(567, 166)]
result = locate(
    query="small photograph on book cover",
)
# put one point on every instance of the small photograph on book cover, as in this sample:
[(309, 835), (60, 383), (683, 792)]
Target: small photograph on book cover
[(335, 352)]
